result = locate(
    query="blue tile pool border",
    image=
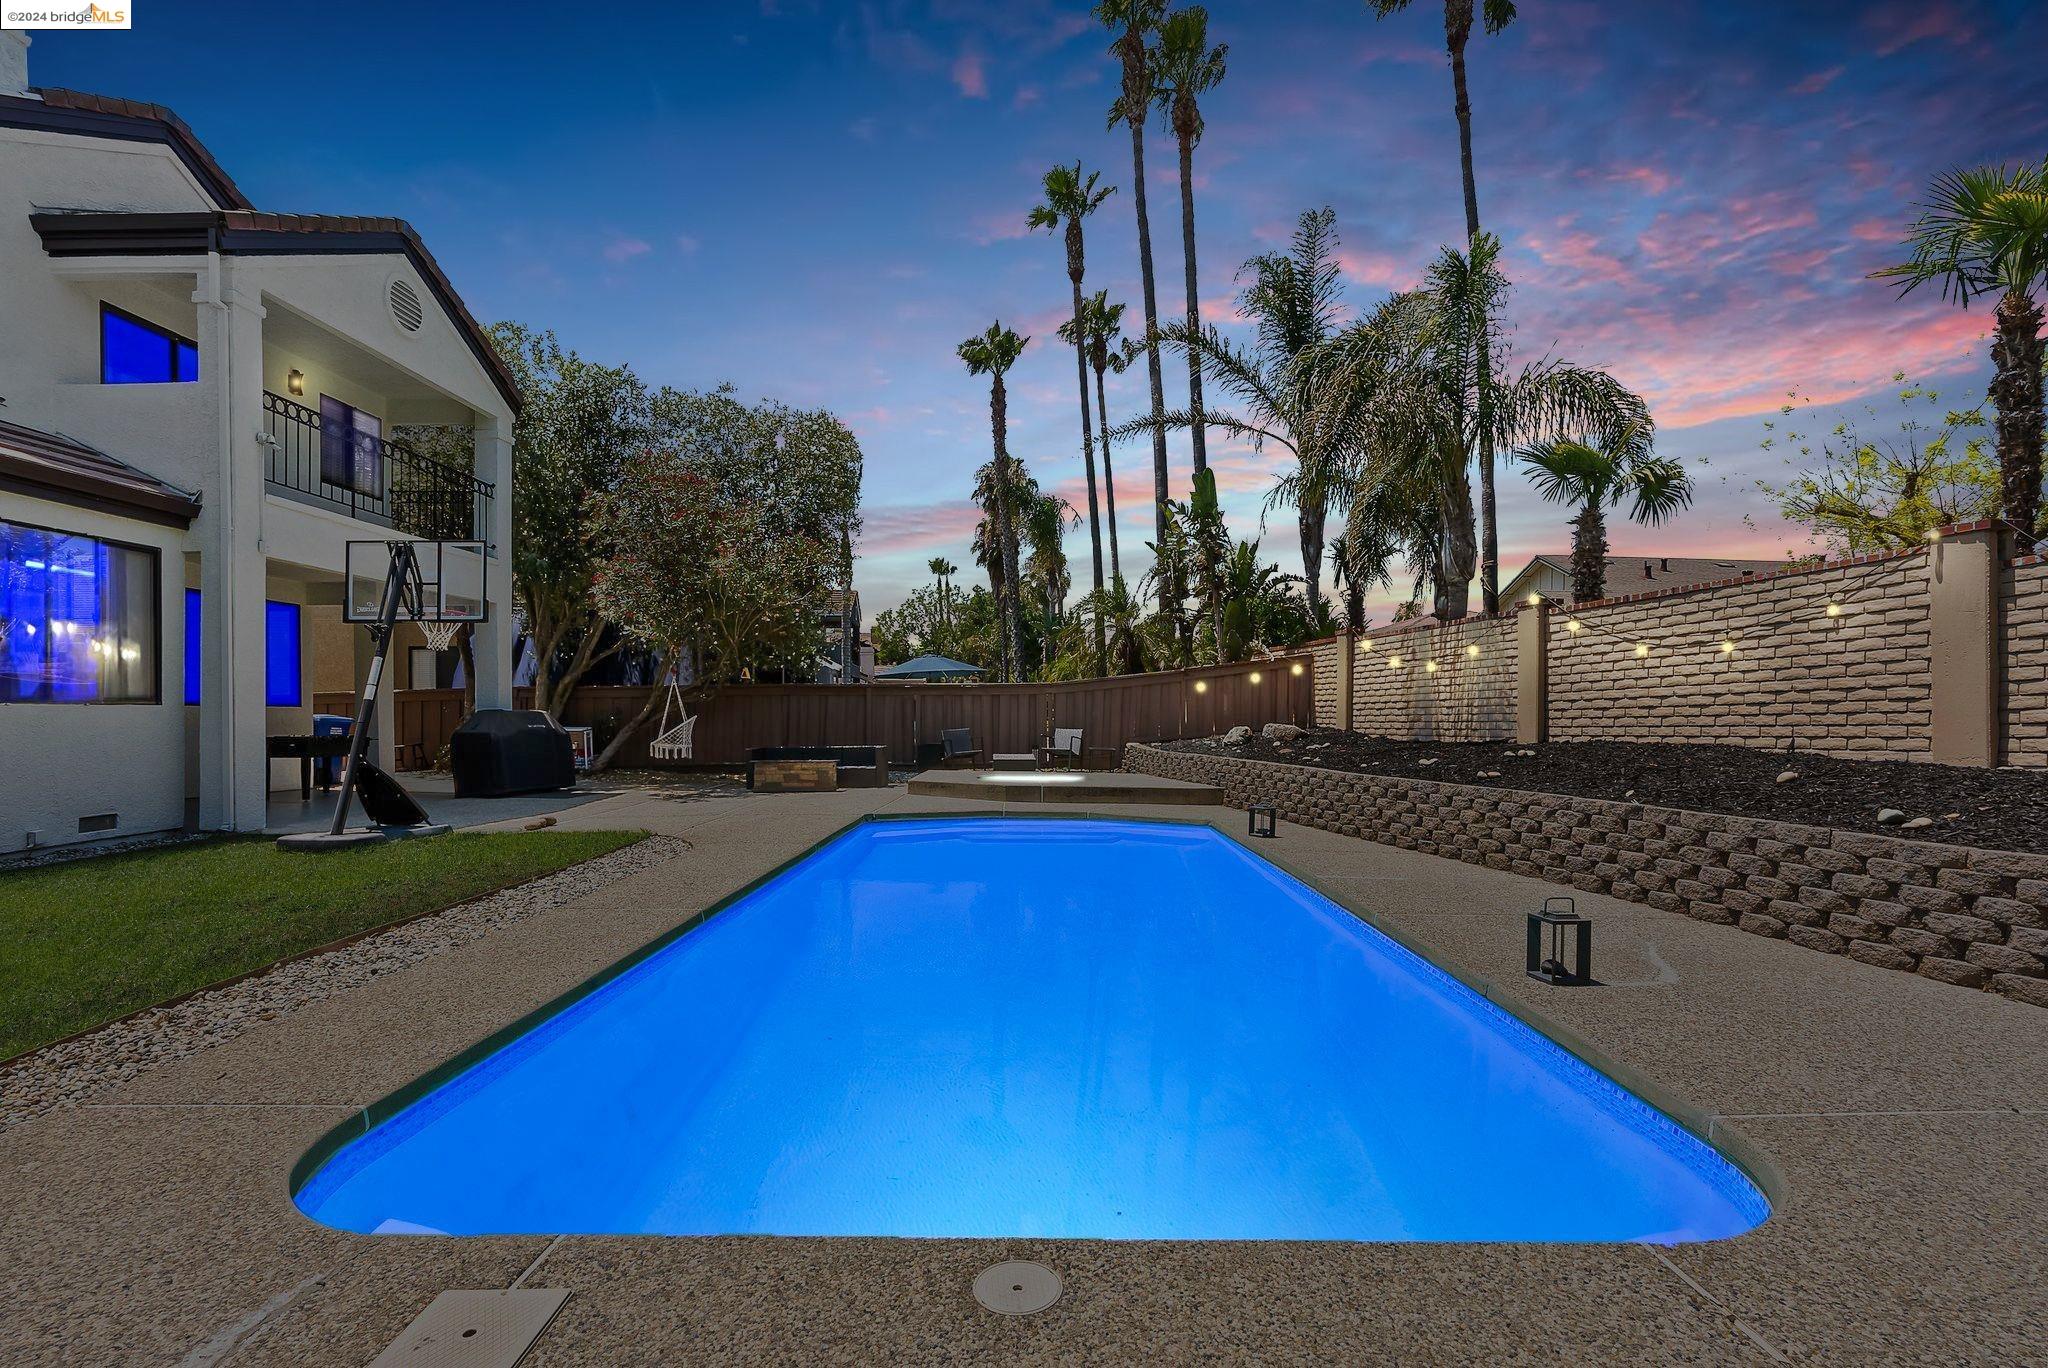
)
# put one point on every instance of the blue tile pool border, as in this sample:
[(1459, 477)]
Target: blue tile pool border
[(1651, 1103)]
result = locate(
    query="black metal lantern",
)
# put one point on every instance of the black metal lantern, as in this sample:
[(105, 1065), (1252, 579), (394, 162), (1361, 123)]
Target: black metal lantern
[(1547, 929), (1265, 820)]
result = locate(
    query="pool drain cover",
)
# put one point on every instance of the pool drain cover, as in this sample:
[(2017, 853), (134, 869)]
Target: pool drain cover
[(1017, 1288), (482, 1329)]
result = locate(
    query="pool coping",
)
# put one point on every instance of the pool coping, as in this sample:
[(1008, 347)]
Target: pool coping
[(1709, 1128)]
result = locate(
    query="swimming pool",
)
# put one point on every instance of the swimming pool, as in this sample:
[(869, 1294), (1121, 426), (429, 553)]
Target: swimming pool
[(1031, 1027)]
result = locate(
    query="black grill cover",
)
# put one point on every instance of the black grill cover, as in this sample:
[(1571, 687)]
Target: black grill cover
[(497, 751)]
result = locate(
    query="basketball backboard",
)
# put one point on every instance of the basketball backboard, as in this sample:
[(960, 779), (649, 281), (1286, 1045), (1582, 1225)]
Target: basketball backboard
[(450, 583)]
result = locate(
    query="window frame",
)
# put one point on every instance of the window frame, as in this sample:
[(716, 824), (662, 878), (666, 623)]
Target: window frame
[(156, 581), (171, 337)]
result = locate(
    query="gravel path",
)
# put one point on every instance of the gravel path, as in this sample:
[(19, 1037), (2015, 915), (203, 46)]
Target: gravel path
[(72, 1071)]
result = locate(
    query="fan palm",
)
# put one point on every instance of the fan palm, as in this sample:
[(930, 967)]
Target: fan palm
[(1133, 22), (1596, 478), (992, 353), (1102, 324), (1985, 230), (1458, 17), (1069, 198), (1188, 68)]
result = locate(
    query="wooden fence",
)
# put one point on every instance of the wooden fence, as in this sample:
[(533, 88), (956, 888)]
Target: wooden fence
[(1165, 706)]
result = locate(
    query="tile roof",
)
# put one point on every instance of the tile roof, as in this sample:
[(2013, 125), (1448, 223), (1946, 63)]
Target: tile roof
[(1649, 574), (49, 465)]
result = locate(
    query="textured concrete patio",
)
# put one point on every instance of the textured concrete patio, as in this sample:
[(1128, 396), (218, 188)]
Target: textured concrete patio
[(1901, 1124)]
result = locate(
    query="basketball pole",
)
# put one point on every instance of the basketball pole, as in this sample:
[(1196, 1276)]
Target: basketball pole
[(404, 570)]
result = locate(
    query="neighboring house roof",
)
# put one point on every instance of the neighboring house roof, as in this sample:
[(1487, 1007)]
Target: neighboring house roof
[(1652, 574), (838, 601), (929, 667), (49, 466), (236, 228)]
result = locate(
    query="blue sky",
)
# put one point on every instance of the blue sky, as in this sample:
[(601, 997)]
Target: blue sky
[(818, 201)]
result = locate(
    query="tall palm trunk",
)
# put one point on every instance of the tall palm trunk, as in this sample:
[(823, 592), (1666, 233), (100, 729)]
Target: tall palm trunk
[(1489, 554), (1312, 516), (1009, 612), (1184, 134), (1137, 96), (2016, 393), (1589, 553), (1074, 273), (1116, 569), (1455, 550)]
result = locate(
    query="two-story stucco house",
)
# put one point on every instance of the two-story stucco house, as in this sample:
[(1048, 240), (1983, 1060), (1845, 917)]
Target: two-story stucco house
[(198, 404)]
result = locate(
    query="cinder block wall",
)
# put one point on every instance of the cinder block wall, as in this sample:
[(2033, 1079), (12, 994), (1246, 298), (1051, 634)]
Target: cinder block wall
[(2026, 661), (1861, 683), (1469, 696), (1856, 684)]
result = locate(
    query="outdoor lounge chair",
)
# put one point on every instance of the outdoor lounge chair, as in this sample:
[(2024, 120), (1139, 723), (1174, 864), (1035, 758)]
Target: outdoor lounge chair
[(959, 747), (1065, 750)]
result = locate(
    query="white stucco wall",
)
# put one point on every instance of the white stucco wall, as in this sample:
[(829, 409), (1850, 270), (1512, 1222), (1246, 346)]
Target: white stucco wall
[(63, 761)]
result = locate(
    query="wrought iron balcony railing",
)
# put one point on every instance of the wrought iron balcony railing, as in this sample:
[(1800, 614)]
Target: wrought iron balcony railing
[(369, 478)]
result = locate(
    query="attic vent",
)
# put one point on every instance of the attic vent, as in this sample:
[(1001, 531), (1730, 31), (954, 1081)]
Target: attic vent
[(99, 821), (405, 307)]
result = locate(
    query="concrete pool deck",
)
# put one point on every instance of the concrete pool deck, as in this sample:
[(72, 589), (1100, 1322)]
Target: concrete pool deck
[(1906, 1121)]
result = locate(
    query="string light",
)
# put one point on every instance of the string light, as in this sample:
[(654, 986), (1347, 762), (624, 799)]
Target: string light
[(1201, 686), (1727, 648), (1642, 648), (1365, 645), (1295, 668), (1934, 534), (1575, 626), (1430, 666), (1535, 600), (1834, 610), (1472, 651), (1393, 662), (1255, 676)]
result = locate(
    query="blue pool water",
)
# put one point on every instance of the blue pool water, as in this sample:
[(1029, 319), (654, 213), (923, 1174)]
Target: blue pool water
[(1014, 1027)]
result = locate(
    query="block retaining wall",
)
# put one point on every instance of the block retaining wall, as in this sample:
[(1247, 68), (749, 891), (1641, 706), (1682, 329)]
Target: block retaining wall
[(1963, 915)]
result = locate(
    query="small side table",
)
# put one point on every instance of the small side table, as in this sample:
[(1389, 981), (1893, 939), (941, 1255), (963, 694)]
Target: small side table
[(1014, 760)]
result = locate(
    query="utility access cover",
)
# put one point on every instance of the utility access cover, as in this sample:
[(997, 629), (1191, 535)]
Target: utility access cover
[(1017, 1288), (474, 1329)]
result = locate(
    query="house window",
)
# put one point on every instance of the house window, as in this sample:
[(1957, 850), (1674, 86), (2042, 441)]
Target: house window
[(78, 618), (351, 447), (135, 351), (283, 672)]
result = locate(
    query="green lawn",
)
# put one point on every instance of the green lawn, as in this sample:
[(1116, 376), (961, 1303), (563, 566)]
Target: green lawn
[(85, 942)]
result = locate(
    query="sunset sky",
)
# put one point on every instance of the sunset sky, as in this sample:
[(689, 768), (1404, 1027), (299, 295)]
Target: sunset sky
[(818, 201)]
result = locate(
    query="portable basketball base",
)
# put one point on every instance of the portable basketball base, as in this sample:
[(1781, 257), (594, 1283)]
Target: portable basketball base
[(394, 813)]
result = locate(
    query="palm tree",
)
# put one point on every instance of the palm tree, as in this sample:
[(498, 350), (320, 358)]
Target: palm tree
[(1102, 324), (1188, 69), (1046, 519), (1208, 544), (992, 353), (1133, 21), (1355, 573), (943, 571), (1981, 230), (1121, 615), (1458, 14), (1070, 198), (1594, 477)]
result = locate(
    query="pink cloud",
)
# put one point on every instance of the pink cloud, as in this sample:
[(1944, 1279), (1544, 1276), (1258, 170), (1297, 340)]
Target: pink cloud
[(1817, 82), (1026, 96), (970, 75), (1875, 230), (621, 250), (928, 529), (1903, 25), (1652, 180), (993, 226), (1386, 270), (1580, 253)]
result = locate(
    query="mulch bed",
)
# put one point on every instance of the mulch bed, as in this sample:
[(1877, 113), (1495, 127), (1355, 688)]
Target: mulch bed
[(2005, 809)]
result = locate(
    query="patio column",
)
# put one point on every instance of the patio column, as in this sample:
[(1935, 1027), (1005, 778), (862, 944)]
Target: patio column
[(1532, 673), (1963, 644), (491, 643), (1347, 673), (234, 767)]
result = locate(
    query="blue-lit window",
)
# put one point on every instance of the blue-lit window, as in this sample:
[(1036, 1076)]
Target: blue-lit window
[(191, 645), (283, 676), (78, 618), (351, 447), (135, 351), (281, 654)]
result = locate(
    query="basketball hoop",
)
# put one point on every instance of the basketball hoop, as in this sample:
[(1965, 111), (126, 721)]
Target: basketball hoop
[(439, 635)]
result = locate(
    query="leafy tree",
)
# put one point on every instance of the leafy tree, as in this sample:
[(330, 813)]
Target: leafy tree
[(1188, 68), (1121, 615), (579, 425), (1134, 22), (1208, 543), (1985, 230), (1458, 17), (1102, 323), (992, 353), (1865, 486), (1599, 477), (1069, 198)]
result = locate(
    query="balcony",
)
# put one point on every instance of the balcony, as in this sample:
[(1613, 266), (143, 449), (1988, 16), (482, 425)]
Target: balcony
[(376, 481)]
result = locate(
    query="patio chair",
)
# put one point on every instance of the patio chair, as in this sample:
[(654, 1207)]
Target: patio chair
[(959, 746), (1065, 750)]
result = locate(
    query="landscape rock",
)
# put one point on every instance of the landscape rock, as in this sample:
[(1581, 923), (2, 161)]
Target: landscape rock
[(1890, 817), (1916, 823), (1281, 731), (1787, 776), (1237, 736)]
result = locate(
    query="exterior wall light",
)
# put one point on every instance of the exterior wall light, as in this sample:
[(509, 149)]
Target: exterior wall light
[(1295, 668), (1557, 916), (1201, 686), (295, 381), (1254, 676), (1265, 820)]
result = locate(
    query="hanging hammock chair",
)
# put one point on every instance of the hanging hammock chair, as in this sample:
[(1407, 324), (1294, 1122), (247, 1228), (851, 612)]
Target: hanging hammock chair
[(673, 741)]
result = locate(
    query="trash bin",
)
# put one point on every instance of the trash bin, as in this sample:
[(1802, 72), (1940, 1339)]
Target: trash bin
[(498, 751), (327, 769)]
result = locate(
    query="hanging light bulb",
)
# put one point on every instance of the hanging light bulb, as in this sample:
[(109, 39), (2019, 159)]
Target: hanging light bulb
[(1573, 626), (1429, 665), (1365, 645), (1535, 600), (1472, 650), (1393, 662)]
